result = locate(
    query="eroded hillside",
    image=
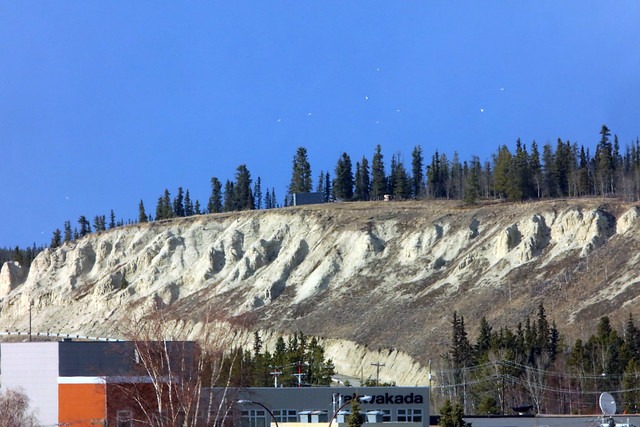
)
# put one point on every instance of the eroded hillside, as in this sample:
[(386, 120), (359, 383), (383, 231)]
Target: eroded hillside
[(378, 280)]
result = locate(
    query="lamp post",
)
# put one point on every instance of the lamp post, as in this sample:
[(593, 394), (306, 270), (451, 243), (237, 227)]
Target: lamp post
[(361, 399), (244, 401)]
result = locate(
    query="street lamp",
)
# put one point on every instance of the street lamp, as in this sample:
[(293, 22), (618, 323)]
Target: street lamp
[(245, 401), (361, 399)]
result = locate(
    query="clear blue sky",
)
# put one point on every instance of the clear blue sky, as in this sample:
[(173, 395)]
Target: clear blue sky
[(104, 103)]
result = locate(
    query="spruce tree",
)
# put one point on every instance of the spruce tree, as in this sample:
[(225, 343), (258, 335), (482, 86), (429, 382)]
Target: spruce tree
[(355, 418), (167, 211), (85, 227), (378, 180), (417, 166), (68, 234), (343, 182), (215, 200), (56, 240), (112, 219), (535, 169), (242, 189), (178, 204), (320, 185), (327, 187), (160, 209), (229, 197), (197, 210), (257, 194), (188, 204), (301, 173), (142, 215), (362, 180)]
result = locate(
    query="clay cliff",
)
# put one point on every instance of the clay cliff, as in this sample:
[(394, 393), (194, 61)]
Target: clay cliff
[(377, 280)]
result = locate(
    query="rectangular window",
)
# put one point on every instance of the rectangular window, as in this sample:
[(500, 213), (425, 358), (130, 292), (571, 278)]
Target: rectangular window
[(285, 415), (253, 418), (410, 415)]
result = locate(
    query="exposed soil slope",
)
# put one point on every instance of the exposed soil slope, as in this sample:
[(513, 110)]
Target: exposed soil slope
[(382, 275)]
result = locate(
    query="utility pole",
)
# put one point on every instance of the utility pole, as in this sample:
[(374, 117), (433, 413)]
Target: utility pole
[(299, 374), (30, 305), (377, 365), (275, 374)]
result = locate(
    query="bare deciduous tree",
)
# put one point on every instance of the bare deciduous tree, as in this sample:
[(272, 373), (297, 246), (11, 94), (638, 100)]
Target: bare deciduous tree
[(14, 409), (172, 381)]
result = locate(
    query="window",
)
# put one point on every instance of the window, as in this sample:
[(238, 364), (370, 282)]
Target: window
[(386, 418), (123, 419), (285, 415), (410, 415), (253, 418)]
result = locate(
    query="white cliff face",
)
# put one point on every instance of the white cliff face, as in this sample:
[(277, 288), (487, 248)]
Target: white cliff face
[(377, 280)]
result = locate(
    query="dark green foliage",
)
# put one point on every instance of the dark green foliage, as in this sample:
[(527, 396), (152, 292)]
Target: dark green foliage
[(343, 182), (378, 177), (112, 219), (229, 197), (301, 173), (178, 204), (197, 210), (142, 215), (68, 235), (215, 200), (327, 187), (257, 194), (188, 204), (399, 183), (85, 227), (355, 418), (297, 355), (451, 415), (416, 169), (100, 223), (242, 194), (56, 240), (362, 180)]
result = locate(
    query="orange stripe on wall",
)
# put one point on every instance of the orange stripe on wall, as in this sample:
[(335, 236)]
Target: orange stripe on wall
[(79, 404)]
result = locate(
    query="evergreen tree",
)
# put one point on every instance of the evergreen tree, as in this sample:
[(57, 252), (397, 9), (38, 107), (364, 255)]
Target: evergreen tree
[(472, 187), (301, 173), (400, 183), (257, 194), (273, 198), (362, 180), (549, 188), (178, 204), (85, 227), (160, 209), (229, 197), (416, 169), (215, 200), (188, 204), (378, 181), (167, 211), (56, 240), (355, 418), (535, 169), (142, 215), (320, 185), (502, 175), (112, 219), (242, 189), (197, 210), (604, 161), (68, 235), (343, 183), (327, 187), (451, 415)]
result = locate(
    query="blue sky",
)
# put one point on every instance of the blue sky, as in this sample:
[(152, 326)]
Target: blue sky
[(105, 103)]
